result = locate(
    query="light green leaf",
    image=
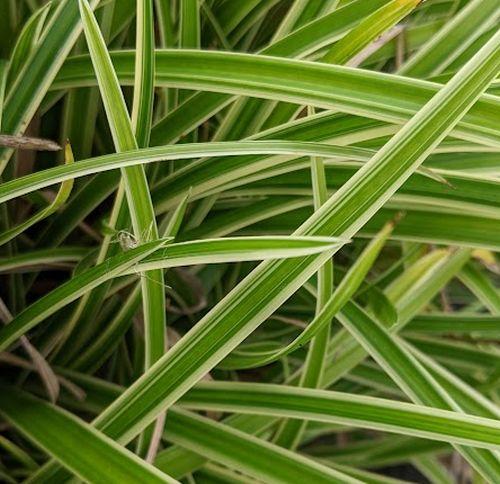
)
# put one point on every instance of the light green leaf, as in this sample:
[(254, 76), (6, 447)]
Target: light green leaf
[(342, 408), (59, 200), (34, 181), (444, 47), (142, 109), (73, 289), (134, 178), (332, 305), (28, 90), (480, 285), (368, 29), (56, 431), (380, 96), (247, 454), (27, 40), (234, 249)]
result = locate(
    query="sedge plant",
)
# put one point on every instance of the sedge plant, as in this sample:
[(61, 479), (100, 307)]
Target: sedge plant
[(249, 241)]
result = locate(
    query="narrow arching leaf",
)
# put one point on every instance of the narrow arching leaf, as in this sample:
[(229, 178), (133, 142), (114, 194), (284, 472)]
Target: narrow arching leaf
[(370, 28), (332, 305), (236, 249), (51, 258), (135, 182), (380, 96), (29, 89), (452, 39), (27, 41), (54, 175), (142, 110), (480, 285), (73, 289), (336, 407), (254, 457), (62, 195), (56, 432)]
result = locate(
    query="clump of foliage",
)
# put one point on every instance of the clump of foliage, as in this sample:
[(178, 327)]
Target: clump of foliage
[(249, 241)]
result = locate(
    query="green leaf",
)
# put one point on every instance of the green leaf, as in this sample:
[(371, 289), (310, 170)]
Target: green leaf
[(444, 47), (380, 96), (368, 29), (254, 457), (480, 285), (134, 178), (332, 305), (59, 200), (142, 109), (56, 431), (41, 68), (51, 258), (343, 408), (27, 41), (234, 249), (480, 324), (73, 289), (34, 181), (190, 25)]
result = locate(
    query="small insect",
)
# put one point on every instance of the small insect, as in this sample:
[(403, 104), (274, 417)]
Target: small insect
[(28, 143), (126, 240), (129, 241)]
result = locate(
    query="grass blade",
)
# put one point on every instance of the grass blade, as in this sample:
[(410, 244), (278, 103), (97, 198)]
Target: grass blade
[(136, 186), (321, 405), (73, 289), (380, 96), (29, 89), (56, 431)]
